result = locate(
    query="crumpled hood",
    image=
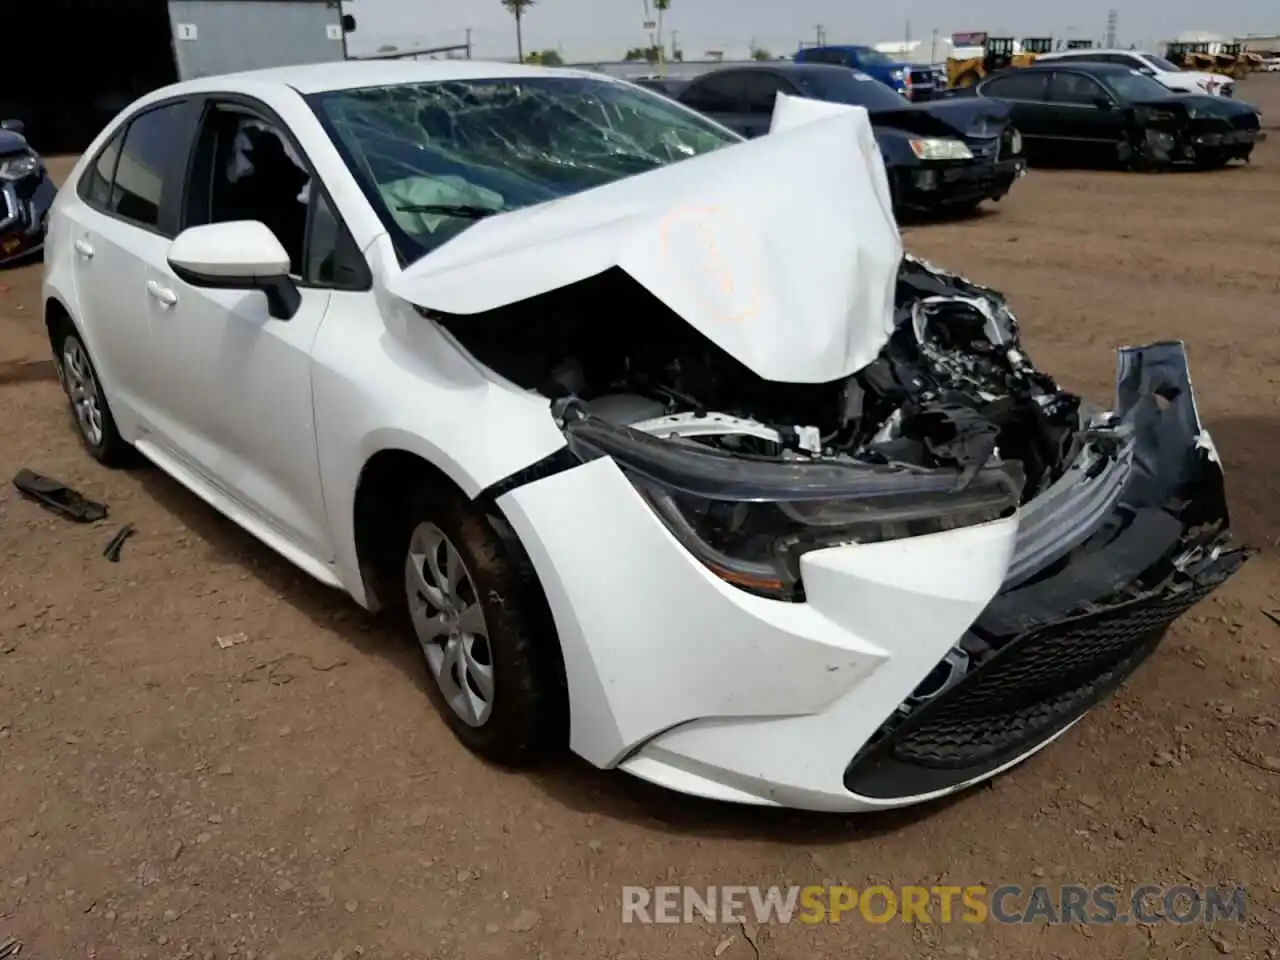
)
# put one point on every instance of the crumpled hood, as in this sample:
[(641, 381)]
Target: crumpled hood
[(783, 250)]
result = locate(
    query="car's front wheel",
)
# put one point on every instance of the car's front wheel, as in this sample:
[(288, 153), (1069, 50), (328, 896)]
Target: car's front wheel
[(477, 613), (96, 425)]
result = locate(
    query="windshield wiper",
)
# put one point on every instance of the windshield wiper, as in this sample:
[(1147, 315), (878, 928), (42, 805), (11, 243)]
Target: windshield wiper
[(450, 210)]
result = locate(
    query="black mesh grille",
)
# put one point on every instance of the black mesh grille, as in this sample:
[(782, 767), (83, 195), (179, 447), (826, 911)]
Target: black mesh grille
[(1041, 680)]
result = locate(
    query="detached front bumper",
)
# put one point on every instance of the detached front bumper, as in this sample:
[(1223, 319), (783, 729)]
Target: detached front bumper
[(914, 668), (936, 186), (24, 211)]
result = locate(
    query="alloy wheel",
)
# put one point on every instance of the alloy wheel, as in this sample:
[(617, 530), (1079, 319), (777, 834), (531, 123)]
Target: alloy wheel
[(82, 388), (450, 624)]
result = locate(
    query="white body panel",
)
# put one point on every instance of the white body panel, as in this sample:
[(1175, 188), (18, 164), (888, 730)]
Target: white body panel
[(764, 701)]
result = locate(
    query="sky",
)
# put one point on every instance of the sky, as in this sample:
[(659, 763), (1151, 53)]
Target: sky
[(605, 29)]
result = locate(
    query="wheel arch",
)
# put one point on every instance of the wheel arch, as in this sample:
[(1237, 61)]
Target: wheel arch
[(389, 480)]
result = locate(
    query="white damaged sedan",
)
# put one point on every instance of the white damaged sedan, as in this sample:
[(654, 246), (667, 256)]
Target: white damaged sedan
[(654, 436)]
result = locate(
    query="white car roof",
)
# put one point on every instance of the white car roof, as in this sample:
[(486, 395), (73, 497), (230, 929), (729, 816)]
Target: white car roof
[(1089, 50), (347, 74)]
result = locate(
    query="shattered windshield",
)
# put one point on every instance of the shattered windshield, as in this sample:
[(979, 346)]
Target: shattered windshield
[(435, 157)]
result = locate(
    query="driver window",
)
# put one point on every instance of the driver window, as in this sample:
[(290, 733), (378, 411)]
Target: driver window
[(759, 91), (246, 170), (1074, 88)]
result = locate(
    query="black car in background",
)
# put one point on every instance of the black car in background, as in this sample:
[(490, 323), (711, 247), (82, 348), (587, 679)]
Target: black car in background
[(939, 155), (26, 194), (1106, 114), (666, 86)]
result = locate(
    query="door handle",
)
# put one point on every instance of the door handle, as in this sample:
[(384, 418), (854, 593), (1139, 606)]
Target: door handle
[(163, 294), (84, 248)]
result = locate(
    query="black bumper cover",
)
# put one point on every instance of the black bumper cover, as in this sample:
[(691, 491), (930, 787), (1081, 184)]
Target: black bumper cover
[(1048, 649), (936, 186)]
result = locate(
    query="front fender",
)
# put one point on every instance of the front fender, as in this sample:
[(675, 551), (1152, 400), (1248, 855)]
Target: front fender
[(412, 389)]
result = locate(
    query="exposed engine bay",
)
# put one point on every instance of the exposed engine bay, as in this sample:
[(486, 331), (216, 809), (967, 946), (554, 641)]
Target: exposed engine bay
[(952, 388)]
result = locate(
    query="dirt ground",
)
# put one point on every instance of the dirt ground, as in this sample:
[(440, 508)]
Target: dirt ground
[(294, 795)]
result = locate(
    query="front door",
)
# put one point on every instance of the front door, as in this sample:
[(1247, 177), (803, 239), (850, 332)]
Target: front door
[(1089, 124), (239, 380)]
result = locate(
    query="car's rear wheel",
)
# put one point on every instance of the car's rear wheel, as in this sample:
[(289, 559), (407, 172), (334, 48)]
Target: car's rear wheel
[(92, 413), (476, 612)]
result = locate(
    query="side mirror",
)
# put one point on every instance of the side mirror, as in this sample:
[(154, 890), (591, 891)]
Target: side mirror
[(13, 126), (1103, 103), (239, 255)]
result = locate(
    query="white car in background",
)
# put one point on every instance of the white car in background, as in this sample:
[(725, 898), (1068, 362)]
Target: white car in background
[(1167, 73), (652, 435), (1271, 65)]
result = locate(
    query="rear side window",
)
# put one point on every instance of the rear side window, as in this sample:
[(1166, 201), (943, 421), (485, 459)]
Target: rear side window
[(837, 57), (150, 145), (1021, 85), (95, 182)]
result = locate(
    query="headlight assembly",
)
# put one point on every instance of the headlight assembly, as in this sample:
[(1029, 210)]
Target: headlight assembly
[(941, 149), (17, 167), (749, 520)]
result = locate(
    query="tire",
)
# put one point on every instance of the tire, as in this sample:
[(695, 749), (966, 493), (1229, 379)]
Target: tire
[(1212, 162), (495, 670), (89, 407), (965, 208)]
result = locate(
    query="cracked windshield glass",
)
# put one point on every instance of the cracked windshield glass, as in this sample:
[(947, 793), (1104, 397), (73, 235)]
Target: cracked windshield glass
[(436, 157)]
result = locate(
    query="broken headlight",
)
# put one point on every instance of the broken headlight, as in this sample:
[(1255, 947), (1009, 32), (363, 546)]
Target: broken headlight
[(750, 519), (19, 166), (941, 149)]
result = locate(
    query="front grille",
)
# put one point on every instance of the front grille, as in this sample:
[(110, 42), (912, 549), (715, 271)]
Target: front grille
[(984, 148), (922, 78), (1042, 679), (1031, 687)]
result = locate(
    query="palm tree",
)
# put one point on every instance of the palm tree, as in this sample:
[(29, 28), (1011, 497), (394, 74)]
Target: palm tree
[(662, 6), (517, 8)]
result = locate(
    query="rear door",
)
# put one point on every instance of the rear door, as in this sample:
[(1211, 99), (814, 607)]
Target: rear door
[(1026, 93), (124, 224)]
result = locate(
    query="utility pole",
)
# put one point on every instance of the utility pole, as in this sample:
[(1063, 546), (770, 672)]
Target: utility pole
[(821, 35), (468, 43), (907, 34), (1113, 17), (933, 46), (675, 45)]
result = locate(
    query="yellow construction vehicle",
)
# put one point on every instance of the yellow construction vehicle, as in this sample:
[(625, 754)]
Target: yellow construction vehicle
[(1232, 61), (1191, 56), (1032, 47), (997, 53)]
